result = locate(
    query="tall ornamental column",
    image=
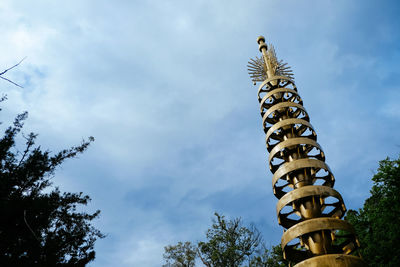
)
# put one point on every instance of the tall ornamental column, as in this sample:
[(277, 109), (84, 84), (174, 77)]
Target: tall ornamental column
[(309, 209)]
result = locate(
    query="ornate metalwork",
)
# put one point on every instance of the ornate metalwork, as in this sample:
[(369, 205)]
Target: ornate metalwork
[(308, 207), (258, 67)]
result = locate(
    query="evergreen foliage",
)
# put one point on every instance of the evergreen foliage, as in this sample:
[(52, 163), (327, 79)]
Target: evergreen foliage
[(40, 225)]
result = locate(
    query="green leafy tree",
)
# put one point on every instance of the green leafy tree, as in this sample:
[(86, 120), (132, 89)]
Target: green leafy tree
[(180, 255), (39, 225), (228, 244), (269, 258), (377, 223)]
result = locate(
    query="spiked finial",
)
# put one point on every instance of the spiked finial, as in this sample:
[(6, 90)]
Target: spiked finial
[(262, 68)]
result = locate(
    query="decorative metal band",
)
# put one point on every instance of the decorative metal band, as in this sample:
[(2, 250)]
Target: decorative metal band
[(273, 119), (293, 200), (306, 230), (297, 126), (288, 169), (284, 81), (306, 145), (333, 260), (281, 82), (268, 100)]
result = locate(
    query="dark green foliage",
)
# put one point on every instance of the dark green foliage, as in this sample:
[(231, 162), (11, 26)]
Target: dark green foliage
[(39, 225), (228, 244), (378, 222), (269, 258)]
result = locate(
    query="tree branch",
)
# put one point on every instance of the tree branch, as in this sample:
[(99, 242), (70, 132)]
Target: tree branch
[(1, 73), (11, 81), (8, 80), (202, 259), (33, 233)]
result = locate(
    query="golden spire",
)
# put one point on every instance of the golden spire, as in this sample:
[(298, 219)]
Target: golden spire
[(309, 208)]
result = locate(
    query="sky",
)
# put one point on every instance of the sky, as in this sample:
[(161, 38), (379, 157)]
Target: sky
[(163, 88)]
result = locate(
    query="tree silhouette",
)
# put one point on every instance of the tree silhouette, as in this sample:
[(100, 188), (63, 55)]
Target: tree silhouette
[(40, 225)]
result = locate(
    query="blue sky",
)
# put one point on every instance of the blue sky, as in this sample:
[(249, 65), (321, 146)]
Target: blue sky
[(163, 87)]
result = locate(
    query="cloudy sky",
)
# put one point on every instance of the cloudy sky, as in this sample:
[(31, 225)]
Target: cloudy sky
[(163, 87)]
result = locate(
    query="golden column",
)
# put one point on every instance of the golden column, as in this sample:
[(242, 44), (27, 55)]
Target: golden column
[(309, 208)]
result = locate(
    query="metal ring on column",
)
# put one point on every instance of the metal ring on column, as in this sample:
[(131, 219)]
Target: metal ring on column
[(270, 98), (302, 127), (293, 199), (305, 229), (332, 260), (285, 171), (304, 145), (281, 81), (294, 110)]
